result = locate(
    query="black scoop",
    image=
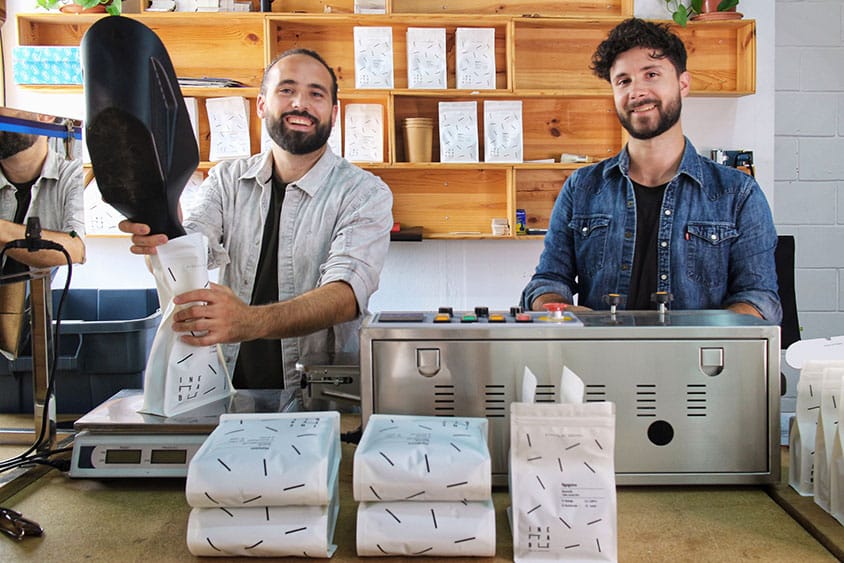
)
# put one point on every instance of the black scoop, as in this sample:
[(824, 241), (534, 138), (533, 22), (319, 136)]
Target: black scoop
[(139, 135)]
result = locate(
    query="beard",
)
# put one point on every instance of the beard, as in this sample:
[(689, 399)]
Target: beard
[(669, 114), (13, 143), (297, 142)]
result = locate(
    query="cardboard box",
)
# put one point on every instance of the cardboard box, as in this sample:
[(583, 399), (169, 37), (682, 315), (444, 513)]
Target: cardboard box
[(46, 65)]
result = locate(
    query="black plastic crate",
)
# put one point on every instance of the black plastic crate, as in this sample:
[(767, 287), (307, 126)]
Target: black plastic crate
[(106, 335)]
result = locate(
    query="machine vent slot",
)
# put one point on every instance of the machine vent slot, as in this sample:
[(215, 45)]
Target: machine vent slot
[(596, 393), (545, 393), (444, 400), (646, 400), (495, 401), (696, 404)]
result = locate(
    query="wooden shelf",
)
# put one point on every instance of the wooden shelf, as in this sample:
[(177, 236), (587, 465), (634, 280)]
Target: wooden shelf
[(541, 61)]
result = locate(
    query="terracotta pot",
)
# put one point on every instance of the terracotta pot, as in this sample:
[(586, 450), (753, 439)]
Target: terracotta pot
[(709, 6), (73, 8)]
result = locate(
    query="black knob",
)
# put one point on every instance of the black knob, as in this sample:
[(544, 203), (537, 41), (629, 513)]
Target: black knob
[(446, 311), (662, 297), (613, 299), (482, 311), (516, 310)]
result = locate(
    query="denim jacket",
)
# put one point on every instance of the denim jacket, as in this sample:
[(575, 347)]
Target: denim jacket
[(335, 225), (716, 238)]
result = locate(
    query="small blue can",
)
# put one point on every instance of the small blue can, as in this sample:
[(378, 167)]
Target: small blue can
[(521, 222)]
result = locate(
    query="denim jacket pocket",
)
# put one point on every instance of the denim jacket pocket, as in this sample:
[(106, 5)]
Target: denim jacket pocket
[(590, 241), (708, 252)]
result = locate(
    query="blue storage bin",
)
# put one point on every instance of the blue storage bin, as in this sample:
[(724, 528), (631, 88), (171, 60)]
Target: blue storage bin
[(106, 335), (46, 65)]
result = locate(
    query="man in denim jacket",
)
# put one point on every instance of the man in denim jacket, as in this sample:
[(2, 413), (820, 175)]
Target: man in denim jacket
[(657, 217)]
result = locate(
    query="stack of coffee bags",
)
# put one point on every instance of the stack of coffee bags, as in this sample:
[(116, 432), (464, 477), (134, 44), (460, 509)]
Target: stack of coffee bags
[(424, 487), (562, 476), (803, 432), (266, 485)]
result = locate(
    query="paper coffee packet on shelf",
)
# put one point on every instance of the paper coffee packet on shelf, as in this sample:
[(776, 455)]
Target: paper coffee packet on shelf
[(266, 459), (562, 478), (180, 377), (432, 529), (267, 531), (825, 434), (801, 435), (420, 458)]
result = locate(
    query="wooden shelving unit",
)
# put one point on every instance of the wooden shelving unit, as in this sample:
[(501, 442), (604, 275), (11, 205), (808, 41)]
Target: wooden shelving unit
[(542, 61)]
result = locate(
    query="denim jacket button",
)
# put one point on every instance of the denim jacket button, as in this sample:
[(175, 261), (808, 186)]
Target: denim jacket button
[(585, 230), (668, 212), (663, 277), (663, 244), (713, 237)]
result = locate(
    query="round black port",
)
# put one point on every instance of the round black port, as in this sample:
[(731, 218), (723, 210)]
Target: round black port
[(660, 433)]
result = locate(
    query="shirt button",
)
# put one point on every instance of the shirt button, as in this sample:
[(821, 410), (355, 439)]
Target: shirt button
[(663, 244), (668, 212), (629, 204), (663, 277), (628, 234)]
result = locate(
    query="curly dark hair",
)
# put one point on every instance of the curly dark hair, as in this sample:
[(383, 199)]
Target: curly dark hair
[(635, 32)]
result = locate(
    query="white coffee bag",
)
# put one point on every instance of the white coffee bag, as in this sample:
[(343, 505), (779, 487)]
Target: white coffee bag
[(269, 531), (801, 437), (423, 458), (433, 529), (825, 434), (836, 467), (180, 377), (276, 459), (562, 482)]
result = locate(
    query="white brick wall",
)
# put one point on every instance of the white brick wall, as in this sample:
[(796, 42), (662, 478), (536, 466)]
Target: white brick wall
[(809, 153)]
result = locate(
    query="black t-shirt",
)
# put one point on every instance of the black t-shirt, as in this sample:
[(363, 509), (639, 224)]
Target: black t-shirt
[(24, 197), (643, 280), (259, 362)]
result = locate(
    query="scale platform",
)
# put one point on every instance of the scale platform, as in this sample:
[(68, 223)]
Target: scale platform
[(115, 440)]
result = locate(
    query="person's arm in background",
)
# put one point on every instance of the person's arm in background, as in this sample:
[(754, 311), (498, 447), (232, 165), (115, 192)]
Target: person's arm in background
[(42, 258)]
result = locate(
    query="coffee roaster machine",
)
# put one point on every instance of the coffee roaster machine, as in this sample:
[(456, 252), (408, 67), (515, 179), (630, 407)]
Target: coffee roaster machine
[(696, 392)]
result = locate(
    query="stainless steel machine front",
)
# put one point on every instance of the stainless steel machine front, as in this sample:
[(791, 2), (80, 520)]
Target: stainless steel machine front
[(696, 393)]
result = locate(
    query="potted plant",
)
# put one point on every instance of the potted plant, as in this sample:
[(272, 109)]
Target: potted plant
[(682, 11), (112, 7)]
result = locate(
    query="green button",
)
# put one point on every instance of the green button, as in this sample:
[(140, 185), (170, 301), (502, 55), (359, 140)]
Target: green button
[(469, 319)]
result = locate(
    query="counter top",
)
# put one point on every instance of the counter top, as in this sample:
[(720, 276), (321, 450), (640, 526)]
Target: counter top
[(146, 520)]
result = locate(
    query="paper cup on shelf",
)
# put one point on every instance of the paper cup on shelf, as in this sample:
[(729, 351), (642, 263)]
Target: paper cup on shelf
[(418, 138)]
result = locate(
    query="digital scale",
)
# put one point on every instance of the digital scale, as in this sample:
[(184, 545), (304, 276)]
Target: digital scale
[(115, 440)]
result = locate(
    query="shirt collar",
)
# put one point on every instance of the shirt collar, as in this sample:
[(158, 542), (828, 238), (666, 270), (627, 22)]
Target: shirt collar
[(690, 164), (49, 170), (313, 180)]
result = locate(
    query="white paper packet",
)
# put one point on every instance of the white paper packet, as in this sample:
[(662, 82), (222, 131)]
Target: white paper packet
[(562, 482), (270, 531), (423, 458), (180, 377), (801, 436), (433, 529), (825, 434), (276, 459), (836, 468)]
